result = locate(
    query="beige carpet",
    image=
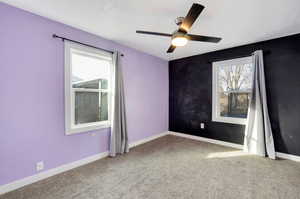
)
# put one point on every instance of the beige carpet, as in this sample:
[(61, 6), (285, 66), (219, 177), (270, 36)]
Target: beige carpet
[(170, 168)]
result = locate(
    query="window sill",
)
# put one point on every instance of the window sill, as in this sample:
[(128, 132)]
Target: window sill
[(82, 128), (231, 120)]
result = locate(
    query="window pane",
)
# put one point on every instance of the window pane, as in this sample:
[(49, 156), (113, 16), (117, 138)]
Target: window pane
[(234, 88), (89, 71), (90, 107)]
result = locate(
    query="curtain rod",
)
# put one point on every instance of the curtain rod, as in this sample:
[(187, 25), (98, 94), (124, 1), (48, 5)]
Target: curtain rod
[(265, 52), (64, 38)]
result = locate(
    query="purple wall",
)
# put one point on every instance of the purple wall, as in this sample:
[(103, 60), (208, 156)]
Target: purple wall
[(32, 95)]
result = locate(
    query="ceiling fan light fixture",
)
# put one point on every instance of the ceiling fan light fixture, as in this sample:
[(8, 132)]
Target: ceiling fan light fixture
[(180, 37), (179, 41)]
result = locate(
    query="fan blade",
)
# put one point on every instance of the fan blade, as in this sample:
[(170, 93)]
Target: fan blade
[(153, 33), (191, 17), (203, 38), (171, 49)]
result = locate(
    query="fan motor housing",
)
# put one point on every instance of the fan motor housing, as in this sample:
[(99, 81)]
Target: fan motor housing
[(178, 34), (179, 20)]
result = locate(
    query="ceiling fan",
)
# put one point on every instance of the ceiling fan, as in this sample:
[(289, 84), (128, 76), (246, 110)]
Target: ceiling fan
[(180, 37)]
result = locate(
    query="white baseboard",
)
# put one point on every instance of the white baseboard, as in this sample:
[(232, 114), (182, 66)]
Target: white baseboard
[(148, 139), (228, 144), (237, 146), (51, 172), (288, 156)]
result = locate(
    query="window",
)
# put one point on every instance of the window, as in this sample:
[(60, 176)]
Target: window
[(87, 88), (232, 85)]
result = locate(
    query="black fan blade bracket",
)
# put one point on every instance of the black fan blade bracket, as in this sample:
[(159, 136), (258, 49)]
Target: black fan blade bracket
[(191, 17), (203, 38), (153, 33), (171, 49)]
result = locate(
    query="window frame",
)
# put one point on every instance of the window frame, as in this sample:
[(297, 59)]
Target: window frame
[(216, 117), (70, 127)]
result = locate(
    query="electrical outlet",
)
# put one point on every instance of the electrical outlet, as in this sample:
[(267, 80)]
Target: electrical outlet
[(39, 166), (202, 125)]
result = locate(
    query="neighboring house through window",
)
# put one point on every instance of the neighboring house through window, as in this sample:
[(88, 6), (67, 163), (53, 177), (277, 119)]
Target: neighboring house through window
[(87, 88), (232, 85)]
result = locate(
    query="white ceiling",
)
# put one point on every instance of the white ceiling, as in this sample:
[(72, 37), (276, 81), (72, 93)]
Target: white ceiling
[(238, 22)]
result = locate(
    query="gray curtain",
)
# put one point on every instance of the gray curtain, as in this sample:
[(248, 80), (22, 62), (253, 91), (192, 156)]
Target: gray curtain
[(118, 138), (258, 132)]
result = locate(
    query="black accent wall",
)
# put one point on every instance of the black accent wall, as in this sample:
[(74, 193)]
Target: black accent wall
[(191, 93)]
